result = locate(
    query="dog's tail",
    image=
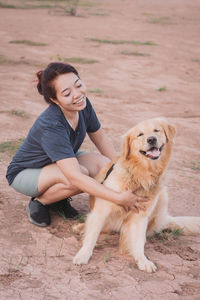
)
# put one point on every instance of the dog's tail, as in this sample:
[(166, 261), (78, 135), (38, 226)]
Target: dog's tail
[(188, 225)]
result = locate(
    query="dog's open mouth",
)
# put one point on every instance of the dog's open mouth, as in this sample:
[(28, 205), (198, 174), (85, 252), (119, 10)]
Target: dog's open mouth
[(153, 152)]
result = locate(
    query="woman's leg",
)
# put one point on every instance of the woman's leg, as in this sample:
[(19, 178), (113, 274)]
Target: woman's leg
[(53, 186), (93, 162)]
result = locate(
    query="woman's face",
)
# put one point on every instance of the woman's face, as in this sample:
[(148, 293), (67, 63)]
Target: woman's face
[(70, 92)]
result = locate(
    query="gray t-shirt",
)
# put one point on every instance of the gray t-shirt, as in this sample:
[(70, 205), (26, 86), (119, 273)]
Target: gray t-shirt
[(51, 138)]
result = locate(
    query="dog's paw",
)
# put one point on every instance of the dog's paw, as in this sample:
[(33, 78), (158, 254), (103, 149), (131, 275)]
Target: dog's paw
[(82, 257), (146, 265)]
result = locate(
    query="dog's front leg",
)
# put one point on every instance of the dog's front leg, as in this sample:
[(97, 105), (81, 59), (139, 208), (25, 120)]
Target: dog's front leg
[(137, 227), (94, 225)]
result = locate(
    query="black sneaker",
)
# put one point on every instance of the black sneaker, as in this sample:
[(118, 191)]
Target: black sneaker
[(38, 213), (64, 209)]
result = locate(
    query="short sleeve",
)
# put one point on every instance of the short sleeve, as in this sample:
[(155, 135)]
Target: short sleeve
[(56, 144), (93, 123)]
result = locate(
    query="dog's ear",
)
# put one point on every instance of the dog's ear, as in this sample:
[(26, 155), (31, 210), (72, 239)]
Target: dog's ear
[(126, 147), (170, 130)]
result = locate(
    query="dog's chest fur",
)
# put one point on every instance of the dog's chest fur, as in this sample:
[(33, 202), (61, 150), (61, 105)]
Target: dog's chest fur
[(142, 183)]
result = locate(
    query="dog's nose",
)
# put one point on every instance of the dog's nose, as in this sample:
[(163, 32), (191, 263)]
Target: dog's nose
[(152, 140)]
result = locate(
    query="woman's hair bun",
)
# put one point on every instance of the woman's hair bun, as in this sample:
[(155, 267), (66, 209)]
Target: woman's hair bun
[(39, 84)]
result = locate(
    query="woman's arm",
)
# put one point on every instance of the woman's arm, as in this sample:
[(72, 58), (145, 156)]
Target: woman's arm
[(103, 143), (71, 169)]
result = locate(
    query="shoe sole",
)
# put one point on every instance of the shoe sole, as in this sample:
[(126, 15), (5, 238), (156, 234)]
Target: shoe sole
[(33, 221)]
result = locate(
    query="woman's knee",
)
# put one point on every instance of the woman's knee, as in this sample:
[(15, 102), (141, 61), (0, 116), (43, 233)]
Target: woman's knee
[(103, 161), (93, 162), (84, 170)]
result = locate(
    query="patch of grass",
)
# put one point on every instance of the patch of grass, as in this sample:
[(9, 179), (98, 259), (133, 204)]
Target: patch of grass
[(120, 42), (11, 147), (176, 232), (96, 91), (161, 20), (107, 256), (196, 165), (16, 112), (6, 5), (162, 89), (28, 42), (166, 234), (58, 252), (3, 59), (25, 6), (80, 60), (134, 53), (69, 6), (19, 113), (81, 218), (12, 267)]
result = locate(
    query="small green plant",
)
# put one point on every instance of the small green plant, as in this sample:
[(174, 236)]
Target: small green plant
[(120, 42), (80, 60), (68, 7), (107, 256), (81, 218), (161, 20), (3, 59), (58, 252), (18, 264), (134, 53), (167, 234), (162, 89), (6, 5), (25, 6), (196, 165), (14, 268), (27, 42), (96, 91), (19, 113), (10, 147), (58, 57), (176, 232)]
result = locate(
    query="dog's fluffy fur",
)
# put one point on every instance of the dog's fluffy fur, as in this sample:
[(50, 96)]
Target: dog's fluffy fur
[(140, 168)]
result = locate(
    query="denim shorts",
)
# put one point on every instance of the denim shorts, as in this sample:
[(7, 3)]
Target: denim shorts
[(26, 181)]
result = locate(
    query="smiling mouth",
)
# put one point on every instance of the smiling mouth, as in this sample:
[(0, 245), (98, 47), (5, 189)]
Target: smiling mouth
[(153, 153), (79, 101)]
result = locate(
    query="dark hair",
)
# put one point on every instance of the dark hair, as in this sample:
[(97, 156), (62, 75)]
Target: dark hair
[(47, 76)]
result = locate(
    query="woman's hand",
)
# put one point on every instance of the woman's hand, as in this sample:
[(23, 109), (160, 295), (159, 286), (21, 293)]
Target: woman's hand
[(130, 200)]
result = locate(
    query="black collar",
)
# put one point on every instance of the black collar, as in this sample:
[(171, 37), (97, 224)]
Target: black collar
[(108, 173)]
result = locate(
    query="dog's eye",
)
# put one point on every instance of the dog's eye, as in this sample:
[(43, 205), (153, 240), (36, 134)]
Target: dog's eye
[(140, 134), (156, 130)]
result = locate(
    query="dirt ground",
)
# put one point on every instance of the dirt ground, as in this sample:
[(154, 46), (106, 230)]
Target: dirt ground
[(127, 82)]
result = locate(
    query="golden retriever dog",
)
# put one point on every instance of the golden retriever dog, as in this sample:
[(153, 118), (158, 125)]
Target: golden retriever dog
[(141, 167)]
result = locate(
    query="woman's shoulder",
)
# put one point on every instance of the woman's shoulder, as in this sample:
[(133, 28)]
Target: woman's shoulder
[(51, 117)]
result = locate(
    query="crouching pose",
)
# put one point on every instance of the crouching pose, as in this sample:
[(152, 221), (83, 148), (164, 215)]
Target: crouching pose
[(49, 166)]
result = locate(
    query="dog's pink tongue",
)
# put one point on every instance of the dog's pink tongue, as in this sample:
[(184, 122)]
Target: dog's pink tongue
[(153, 153)]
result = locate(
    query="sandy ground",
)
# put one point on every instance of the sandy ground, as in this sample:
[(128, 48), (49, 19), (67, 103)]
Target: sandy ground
[(156, 80)]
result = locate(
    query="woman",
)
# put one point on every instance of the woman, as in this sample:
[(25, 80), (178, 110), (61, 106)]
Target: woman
[(49, 167)]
